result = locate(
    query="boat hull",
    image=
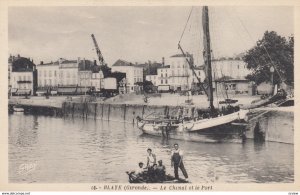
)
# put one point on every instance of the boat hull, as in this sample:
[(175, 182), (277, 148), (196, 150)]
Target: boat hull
[(18, 109), (222, 133), (217, 129)]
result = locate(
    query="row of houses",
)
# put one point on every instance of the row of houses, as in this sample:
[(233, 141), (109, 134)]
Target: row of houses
[(172, 74)]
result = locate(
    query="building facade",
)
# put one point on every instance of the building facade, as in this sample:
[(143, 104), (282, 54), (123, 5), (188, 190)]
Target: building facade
[(233, 68), (23, 76), (68, 72), (176, 73), (48, 74), (134, 74)]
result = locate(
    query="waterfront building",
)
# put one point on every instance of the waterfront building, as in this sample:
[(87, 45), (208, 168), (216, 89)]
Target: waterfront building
[(176, 74), (229, 67), (90, 75), (68, 72), (48, 76), (153, 78), (230, 76), (134, 74), (23, 76)]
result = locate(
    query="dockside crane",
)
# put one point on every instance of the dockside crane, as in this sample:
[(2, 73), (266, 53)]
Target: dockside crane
[(99, 54), (104, 68)]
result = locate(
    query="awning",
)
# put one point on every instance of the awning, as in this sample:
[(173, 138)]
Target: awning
[(23, 91), (41, 91), (66, 90), (82, 90)]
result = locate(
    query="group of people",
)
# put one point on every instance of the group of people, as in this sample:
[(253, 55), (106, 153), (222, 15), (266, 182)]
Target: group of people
[(154, 172)]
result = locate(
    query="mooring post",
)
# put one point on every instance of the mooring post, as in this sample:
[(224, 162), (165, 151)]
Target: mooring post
[(87, 109), (73, 105), (125, 107), (143, 111), (95, 113), (102, 111), (108, 112)]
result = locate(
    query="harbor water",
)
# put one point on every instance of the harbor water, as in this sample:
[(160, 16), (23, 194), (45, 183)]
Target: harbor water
[(45, 149)]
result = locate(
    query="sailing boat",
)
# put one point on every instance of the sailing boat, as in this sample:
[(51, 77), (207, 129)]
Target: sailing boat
[(213, 126)]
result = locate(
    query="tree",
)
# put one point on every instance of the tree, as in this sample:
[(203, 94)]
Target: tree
[(271, 50)]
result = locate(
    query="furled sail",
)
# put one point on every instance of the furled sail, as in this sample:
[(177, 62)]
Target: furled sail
[(207, 57)]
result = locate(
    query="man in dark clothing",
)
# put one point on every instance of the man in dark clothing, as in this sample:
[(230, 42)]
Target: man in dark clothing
[(161, 171), (177, 161)]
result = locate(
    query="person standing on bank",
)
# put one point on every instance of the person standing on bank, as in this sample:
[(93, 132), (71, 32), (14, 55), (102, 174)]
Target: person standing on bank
[(151, 158), (177, 161)]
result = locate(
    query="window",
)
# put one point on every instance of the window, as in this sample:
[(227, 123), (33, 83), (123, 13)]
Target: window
[(162, 81), (50, 83), (166, 74), (55, 73), (45, 73), (134, 80), (166, 81), (50, 73), (45, 82), (162, 75)]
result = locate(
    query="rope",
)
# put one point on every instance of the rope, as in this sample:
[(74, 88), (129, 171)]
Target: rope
[(186, 24), (263, 47)]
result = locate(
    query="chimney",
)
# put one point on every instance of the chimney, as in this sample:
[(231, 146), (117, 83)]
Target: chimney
[(42, 62), (163, 61), (149, 61), (95, 62), (136, 63), (78, 60)]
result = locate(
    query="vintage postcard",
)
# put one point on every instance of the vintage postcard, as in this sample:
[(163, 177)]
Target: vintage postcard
[(149, 96)]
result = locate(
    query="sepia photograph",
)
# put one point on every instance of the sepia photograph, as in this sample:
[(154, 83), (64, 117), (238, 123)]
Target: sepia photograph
[(193, 94)]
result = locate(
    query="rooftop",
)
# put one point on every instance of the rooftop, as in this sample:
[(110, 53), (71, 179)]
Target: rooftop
[(120, 62), (22, 64)]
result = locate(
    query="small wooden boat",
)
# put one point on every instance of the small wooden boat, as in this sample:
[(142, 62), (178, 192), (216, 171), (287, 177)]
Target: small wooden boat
[(18, 109), (146, 178)]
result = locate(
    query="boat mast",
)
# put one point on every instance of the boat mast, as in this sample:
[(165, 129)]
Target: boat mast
[(207, 55)]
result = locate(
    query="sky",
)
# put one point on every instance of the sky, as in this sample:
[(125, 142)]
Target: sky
[(139, 34)]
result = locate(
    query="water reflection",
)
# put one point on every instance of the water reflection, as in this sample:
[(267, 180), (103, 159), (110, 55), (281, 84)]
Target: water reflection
[(84, 150)]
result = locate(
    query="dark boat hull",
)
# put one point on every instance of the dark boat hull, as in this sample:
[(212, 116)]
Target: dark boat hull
[(144, 179), (218, 134)]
